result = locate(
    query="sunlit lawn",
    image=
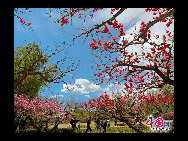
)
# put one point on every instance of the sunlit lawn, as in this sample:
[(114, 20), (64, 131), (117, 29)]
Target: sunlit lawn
[(112, 129)]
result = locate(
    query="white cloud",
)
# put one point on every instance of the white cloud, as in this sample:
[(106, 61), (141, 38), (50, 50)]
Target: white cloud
[(101, 15), (87, 95), (126, 17), (84, 87), (68, 88), (81, 86), (85, 84), (140, 15), (130, 16)]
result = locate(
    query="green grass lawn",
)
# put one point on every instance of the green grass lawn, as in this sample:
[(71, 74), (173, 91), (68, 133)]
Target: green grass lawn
[(112, 129)]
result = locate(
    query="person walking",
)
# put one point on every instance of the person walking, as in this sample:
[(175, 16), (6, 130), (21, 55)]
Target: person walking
[(108, 122), (16, 124), (115, 122), (56, 124), (88, 125), (22, 124), (98, 124), (73, 124), (101, 124), (95, 123), (78, 124), (104, 126)]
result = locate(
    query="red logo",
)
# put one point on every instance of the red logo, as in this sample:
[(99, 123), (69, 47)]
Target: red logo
[(158, 122)]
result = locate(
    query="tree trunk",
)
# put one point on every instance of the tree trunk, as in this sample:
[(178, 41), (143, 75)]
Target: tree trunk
[(130, 125), (46, 126), (55, 126)]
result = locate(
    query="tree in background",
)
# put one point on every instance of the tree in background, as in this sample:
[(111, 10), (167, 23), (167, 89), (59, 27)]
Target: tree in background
[(131, 109), (160, 102), (71, 105), (33, 69)]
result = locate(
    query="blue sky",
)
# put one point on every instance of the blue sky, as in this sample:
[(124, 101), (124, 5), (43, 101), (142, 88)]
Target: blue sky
[(47, 33)]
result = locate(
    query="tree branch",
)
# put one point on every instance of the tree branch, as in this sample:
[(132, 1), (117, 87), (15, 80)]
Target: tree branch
[(102, 24), (146, 29), (165, 78)]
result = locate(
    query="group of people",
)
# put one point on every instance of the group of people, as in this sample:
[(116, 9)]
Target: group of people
[(99, 124), (102, 124)]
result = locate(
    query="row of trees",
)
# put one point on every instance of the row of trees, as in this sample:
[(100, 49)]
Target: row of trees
[(134, 110), (138, 72)]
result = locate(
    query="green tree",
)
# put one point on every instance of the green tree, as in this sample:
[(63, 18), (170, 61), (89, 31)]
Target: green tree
[(33, 70)]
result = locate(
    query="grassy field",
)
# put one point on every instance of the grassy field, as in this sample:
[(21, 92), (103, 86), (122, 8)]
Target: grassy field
[(66, 128), (83, 125), (111, 129)]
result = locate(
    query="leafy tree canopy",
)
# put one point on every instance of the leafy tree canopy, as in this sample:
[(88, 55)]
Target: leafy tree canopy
[(31, 68)]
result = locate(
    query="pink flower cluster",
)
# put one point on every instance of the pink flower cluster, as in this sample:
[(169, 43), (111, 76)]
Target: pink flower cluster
[(38, 107)]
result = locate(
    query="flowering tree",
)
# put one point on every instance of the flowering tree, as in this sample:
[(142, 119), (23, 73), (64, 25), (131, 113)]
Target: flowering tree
[(152, 67), (155, 60), (39, 112), (133, 109)]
